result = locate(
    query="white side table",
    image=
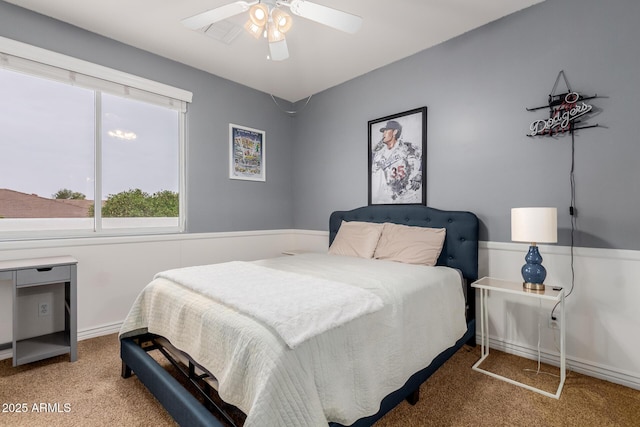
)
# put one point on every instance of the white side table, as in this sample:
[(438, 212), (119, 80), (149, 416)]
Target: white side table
[(487, 284)]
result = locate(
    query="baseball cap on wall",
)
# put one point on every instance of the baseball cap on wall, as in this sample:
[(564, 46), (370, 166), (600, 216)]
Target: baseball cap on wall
[(391, 124)]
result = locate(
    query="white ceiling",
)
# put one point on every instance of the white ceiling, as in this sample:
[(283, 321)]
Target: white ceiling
[(320, 57)]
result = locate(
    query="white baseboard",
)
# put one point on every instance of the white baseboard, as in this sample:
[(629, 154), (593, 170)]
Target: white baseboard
[(583, 367), (99, 331), (606, 373)]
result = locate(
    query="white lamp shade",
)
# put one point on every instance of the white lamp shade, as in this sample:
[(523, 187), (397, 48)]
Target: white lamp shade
[(534, 225)]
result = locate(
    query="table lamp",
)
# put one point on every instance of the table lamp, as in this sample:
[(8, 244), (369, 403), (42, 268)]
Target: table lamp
[(534, 225)]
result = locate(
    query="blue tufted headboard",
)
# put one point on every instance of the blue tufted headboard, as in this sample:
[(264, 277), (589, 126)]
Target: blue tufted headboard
[(460, 248)]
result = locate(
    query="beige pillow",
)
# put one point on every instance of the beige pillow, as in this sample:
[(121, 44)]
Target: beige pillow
[(356, 238), (411, 245)]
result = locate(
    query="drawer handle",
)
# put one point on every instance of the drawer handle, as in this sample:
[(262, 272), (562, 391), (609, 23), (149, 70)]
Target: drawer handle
[(45, 269)]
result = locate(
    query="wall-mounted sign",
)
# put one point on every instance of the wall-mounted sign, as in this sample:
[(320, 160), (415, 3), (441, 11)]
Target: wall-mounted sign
[(564, 111), (562, 117)]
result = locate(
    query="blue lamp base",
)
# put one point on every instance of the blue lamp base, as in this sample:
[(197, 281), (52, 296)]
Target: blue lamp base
[(533, 273)]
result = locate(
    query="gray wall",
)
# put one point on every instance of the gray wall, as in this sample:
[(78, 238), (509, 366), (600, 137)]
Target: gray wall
[(476, 88), (215, 203)]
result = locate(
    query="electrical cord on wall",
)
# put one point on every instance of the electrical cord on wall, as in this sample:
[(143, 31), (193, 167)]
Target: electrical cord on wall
[(291, 112), (573, 213), (538, 371)]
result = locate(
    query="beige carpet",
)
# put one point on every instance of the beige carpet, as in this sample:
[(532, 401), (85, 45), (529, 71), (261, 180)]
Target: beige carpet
[(90, 392)]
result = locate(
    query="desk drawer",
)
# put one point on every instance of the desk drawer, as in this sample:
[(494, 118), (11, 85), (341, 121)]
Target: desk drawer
[(31, 276)]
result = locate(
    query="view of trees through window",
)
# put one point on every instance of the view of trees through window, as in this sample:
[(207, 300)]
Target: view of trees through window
[(132, 203), (52, 136)]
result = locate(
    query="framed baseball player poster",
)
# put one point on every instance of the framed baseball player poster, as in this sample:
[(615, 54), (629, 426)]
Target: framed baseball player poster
[(246, 153), (397, 159)]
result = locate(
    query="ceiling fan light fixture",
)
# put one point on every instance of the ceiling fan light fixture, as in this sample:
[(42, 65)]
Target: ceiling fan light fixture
[(268, 19), (278, 51), (253, 29), (259, 14), (273, 33), (282, 20)]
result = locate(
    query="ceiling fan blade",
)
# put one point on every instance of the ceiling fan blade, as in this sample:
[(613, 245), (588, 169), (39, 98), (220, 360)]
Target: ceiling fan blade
[(218, 14), (278, 51), (334, 18)]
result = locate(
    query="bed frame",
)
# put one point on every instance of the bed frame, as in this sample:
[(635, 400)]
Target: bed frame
[(460, 251)]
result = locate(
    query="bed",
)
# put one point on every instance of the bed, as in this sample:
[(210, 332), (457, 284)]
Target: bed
[(348, 372)]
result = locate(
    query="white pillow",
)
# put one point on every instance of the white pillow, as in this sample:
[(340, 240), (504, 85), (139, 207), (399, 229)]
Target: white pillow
[(356, 238), (410, 245)]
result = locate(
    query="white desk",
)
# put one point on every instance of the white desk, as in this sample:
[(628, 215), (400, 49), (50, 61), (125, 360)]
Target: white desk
[(488, 284)]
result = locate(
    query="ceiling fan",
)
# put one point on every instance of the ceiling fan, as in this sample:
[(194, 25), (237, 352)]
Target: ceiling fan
[(268, 19)]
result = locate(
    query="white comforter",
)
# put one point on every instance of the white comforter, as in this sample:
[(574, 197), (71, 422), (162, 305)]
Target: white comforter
[(300, 306), (340, 375)]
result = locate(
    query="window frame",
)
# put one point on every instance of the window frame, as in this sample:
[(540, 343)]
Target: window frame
[(42, 63)]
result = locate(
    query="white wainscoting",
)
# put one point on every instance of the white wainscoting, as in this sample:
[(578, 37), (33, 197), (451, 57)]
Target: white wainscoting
[(602, 316), (601, 313), (113, 270)]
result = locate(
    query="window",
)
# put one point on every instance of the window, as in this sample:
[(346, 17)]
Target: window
[(71, 134), (140, 171)]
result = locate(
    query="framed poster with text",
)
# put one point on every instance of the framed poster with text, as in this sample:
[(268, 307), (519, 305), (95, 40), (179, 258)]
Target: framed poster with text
[(246, 153)]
